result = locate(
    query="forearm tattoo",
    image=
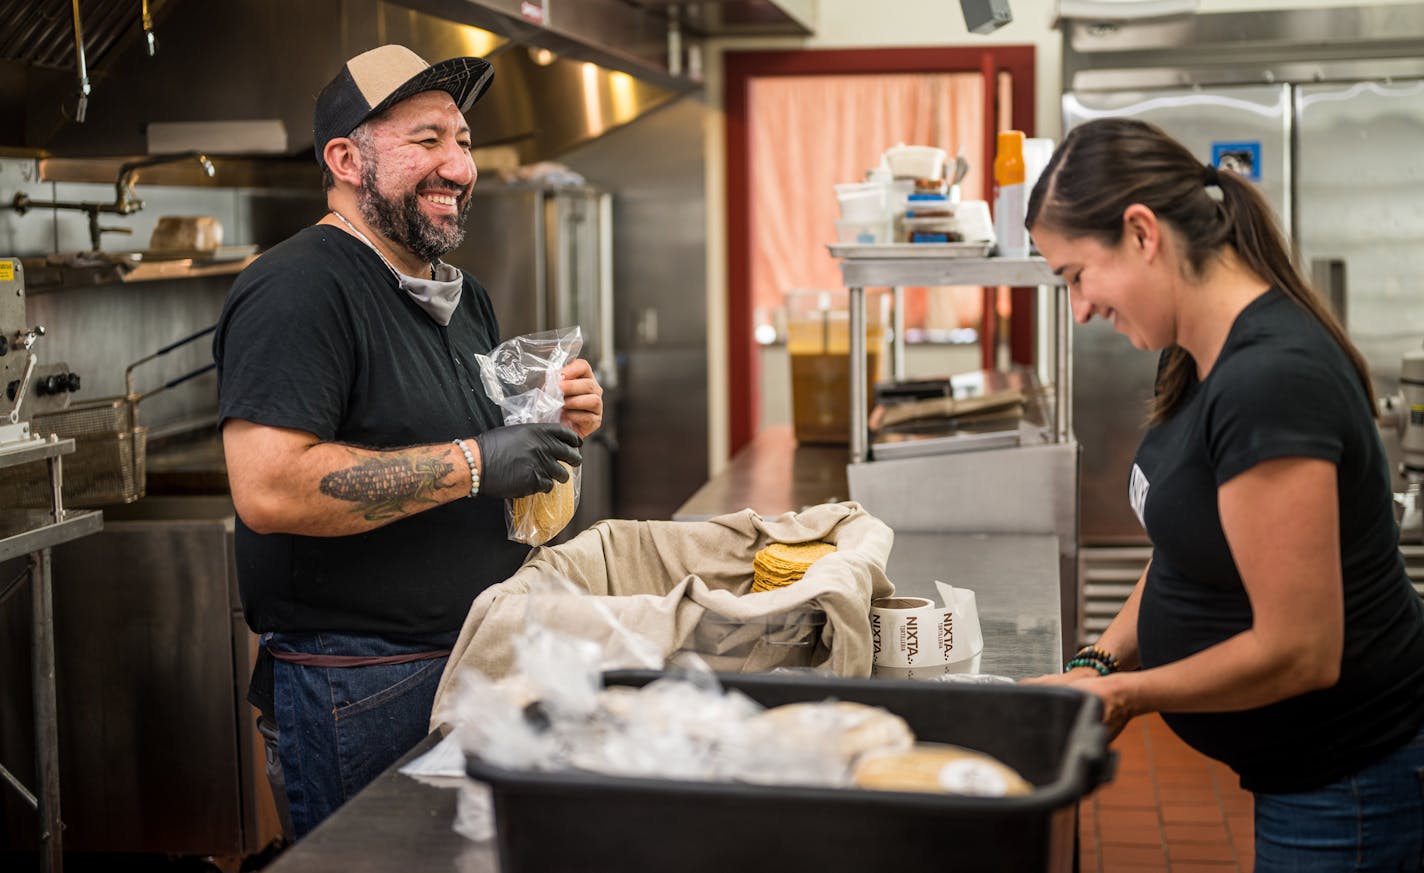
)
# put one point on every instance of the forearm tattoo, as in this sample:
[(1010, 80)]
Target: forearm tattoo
[(386, 486)]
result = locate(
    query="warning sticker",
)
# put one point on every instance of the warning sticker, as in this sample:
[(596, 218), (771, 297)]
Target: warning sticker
[(7, 271)]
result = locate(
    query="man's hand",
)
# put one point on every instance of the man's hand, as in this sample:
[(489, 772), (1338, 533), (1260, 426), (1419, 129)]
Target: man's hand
[(520, 459), (583, 398)]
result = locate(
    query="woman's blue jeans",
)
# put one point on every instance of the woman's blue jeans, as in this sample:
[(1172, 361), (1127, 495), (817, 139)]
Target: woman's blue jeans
[(338, 728), (1372, 820)]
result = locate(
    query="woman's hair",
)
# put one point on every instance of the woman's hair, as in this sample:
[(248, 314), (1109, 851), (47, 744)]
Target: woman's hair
[(1108, 164)]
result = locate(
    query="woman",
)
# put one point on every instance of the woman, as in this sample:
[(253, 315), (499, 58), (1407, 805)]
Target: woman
[(1274, 628)]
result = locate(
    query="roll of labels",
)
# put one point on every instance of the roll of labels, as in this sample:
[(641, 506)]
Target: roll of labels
[(913, 638)]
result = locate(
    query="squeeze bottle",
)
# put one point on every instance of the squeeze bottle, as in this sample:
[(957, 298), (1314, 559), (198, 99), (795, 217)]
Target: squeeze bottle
[(1011, 198)]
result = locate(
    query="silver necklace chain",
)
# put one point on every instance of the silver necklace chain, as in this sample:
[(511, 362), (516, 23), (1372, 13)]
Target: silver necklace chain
[(362, 237)]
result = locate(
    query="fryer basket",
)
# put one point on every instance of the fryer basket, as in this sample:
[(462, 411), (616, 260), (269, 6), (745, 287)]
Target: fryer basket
[(109, 462)]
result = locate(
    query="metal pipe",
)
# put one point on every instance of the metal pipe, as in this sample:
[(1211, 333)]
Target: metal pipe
[(859, 424), (19, 786), (125, 202), (150, 41), (1062, 357), (897, 347), (46, 713), (83, 69), (56, 482)]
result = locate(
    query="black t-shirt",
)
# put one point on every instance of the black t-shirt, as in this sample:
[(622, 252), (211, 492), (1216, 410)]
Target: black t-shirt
[(1281, 388), (317, 336)]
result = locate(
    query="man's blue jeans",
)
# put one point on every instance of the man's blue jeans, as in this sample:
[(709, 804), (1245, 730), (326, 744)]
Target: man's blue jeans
[(338, 728), (1371, 820)]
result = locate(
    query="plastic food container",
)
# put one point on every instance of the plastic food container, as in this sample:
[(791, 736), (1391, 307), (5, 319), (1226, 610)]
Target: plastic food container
[(916, 162), (869, 232), (607, 824), (861, 201), (818, 346)]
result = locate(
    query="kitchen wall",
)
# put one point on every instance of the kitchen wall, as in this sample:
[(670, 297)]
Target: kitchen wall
[(845, 24)]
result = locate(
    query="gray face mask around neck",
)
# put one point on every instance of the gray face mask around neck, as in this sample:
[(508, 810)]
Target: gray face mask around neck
[(438, 296)]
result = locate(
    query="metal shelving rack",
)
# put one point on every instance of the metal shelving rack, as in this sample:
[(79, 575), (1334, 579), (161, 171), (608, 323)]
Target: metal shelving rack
[(1018, 486), (862, 268)]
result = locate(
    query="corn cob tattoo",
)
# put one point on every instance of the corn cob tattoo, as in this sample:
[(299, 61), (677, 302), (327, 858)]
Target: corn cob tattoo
[(385, 486)]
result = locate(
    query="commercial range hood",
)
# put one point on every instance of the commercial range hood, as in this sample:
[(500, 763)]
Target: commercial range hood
[(566, 71)]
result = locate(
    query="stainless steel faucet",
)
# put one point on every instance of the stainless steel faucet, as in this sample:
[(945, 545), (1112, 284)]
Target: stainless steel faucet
[(125, 201)]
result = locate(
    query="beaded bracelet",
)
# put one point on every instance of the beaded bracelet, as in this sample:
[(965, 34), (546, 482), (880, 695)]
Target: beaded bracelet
[(474, 471), (1088, 662), (1099, 659)]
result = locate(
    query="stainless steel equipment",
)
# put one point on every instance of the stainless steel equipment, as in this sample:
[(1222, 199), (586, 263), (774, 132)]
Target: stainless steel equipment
[(29, 535), (545, 255), (1326, 107), (157, 746)]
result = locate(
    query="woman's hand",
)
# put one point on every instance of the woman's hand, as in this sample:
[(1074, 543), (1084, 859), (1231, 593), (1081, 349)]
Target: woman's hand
[(583, 398), (1112, 690)]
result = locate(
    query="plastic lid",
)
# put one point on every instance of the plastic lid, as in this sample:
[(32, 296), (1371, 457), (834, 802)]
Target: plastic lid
[(927, 197)]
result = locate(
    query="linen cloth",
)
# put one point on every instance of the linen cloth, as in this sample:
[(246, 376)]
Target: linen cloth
[(667, 581)]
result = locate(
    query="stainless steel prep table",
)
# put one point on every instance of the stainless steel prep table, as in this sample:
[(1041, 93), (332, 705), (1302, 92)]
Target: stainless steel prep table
[(771, 474), (398, 824)]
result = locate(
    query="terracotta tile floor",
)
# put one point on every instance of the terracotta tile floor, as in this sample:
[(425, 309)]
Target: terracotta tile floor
[(1168, 810)]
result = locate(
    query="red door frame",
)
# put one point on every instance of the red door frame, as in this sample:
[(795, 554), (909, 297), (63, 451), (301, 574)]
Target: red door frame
[(739, 68)]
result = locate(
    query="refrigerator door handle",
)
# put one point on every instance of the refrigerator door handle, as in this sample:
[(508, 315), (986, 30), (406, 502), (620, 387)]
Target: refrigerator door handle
[(606, 367)]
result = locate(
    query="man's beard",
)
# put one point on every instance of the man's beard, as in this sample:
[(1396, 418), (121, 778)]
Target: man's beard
[(401, 221)]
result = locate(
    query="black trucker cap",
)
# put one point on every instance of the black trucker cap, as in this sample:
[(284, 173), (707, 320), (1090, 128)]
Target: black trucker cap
[(374, 81)]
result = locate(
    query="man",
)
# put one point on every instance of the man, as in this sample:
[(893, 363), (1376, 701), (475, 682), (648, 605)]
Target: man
[(367, 467)]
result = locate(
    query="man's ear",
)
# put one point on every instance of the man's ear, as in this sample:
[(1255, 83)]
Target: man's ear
[(1141, 230), (343, 159)]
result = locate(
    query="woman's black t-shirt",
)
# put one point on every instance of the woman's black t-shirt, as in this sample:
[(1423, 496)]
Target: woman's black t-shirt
[(317, 336), (1281, 388)]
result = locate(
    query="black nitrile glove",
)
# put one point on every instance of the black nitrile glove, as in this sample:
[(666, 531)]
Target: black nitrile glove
[(521, 459)]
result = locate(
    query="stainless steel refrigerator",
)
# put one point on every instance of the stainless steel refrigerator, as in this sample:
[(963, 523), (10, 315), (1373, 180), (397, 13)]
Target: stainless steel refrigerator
[(1324, 111), (544, 254)]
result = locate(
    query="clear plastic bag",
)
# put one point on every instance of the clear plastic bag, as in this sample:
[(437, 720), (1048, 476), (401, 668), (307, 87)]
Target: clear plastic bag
[(521, 375)]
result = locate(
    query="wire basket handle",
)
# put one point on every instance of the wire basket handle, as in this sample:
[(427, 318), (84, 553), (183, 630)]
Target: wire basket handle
[(128, 371)]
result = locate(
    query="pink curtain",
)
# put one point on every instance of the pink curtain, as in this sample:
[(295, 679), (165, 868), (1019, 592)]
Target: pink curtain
[(810, 132)]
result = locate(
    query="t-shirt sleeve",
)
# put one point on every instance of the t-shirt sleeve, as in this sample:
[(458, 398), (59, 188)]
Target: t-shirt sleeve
[(285, 349), (1268, 405)]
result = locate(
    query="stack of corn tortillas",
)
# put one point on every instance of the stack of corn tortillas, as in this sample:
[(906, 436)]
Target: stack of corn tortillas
[(781, 564), (539, 517)]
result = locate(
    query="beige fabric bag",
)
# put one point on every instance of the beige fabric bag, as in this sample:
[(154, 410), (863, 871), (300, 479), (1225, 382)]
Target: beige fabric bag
[(659, 578)]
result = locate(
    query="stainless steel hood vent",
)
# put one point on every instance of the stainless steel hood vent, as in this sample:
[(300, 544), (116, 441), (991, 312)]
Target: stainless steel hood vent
[(41, 32), (583, 68)]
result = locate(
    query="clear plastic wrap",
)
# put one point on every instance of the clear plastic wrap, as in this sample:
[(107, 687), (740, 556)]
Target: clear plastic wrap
[(521, 375)]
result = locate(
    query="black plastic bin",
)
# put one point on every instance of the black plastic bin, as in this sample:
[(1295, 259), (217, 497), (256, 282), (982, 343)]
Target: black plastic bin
[(590, 823)]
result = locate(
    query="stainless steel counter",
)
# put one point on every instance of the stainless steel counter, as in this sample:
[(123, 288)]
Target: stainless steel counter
[(1014, 578), (400, 824), (772, 474)]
